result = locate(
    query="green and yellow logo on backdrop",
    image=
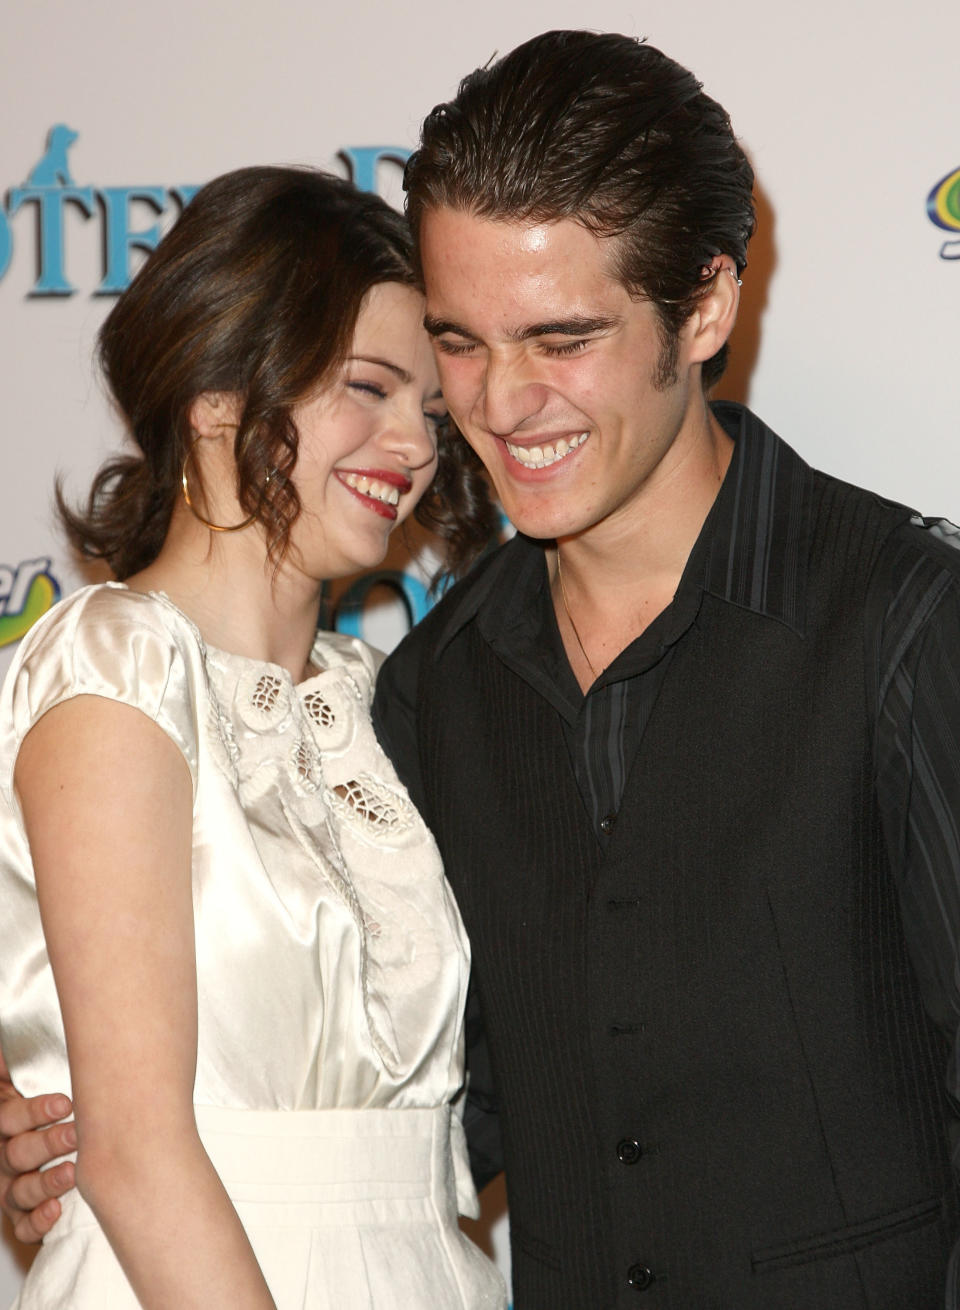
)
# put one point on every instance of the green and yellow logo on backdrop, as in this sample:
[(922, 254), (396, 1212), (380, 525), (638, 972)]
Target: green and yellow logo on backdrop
[(26, 592), (943, 208)]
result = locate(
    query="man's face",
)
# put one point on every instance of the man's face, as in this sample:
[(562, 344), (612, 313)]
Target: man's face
[(548, 367)]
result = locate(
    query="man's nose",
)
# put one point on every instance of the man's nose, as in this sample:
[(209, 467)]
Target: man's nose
[(510, 396)]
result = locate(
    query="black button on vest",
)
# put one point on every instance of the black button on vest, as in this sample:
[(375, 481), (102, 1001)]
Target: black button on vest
[(640, 1277), (629, 1151)]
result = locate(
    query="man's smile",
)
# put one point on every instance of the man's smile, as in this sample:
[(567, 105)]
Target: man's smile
[(547, 453)]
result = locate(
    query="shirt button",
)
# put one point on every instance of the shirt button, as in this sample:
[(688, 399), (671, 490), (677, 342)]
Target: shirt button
[(639, 1277), (629, 1151), (607, 823)]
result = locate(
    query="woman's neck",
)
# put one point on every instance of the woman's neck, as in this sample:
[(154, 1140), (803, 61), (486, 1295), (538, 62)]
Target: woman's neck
[(237, 599)]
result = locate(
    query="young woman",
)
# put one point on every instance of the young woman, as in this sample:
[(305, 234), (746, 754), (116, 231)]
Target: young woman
[(225, 925)]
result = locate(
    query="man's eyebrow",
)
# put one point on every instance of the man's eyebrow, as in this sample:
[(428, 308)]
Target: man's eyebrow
[(401, 373), (435, 327), (579, 325)]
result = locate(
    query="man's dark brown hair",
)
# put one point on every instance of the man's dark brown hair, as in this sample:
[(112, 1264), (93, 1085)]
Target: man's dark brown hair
[(610, 132)]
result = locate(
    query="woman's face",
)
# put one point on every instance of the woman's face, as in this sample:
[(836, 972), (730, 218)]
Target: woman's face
[(368, 442)]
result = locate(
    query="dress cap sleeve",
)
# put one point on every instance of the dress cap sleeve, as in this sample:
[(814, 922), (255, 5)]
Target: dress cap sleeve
[(108, 641)]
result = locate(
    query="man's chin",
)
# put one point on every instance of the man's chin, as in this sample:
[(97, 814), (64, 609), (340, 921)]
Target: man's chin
[(545, 524)]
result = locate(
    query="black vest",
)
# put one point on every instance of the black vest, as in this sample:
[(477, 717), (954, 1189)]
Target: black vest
[(718, 1087)]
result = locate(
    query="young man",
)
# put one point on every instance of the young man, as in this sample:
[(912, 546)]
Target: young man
[(684, 740), (688, 743)]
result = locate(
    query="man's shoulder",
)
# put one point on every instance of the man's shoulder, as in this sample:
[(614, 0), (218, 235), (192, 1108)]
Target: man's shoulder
[(827, 486), (918, 567), (932, 539), (915, 558), (919, 548), (903, 542), (913, 600)]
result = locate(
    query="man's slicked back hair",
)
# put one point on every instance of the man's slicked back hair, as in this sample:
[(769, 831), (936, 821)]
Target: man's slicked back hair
[(612, 133)]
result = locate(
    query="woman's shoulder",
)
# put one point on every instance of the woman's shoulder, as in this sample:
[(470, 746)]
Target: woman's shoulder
[(107, 627), (107, 640), (106, 607)]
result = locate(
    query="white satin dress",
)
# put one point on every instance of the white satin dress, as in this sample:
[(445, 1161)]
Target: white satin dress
[(331, 962)]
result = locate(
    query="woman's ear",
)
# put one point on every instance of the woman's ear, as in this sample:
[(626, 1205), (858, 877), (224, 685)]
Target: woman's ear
[(215, 413), (711, 323)]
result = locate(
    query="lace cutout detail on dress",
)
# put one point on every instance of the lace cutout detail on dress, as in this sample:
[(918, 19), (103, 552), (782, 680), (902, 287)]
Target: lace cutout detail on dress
[(320, 710), (306, 763), (266, 693), (263, 699), (372, 807)]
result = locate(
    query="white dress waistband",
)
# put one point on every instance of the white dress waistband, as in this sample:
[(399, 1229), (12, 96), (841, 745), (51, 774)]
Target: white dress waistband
[(357, 1159), (342, 1208)]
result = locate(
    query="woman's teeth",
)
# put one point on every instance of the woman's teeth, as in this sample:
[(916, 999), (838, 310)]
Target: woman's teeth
[(374, 488), (541, 457)]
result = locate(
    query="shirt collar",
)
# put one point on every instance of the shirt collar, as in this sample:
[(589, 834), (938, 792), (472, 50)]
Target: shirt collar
[(753, 545), (757, 535)]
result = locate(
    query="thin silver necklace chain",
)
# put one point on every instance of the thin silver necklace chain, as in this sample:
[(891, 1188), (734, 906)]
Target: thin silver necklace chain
[(566, 610)]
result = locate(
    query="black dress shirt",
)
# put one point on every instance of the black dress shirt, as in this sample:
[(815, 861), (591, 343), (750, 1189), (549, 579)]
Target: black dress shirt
[(912, 644)]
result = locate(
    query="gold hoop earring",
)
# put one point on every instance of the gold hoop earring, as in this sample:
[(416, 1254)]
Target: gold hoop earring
[(207, 523)]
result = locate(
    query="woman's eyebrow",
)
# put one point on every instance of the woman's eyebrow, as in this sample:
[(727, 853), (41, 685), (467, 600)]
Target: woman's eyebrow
[(401, 373)]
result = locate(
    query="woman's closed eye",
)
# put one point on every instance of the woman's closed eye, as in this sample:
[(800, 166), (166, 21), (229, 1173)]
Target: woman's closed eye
[(438, 419), (370, 388)]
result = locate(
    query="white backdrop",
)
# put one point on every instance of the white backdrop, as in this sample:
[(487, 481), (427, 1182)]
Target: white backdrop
[(850, 112)]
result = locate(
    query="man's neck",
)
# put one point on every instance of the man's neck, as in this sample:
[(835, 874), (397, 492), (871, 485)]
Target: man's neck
[(621, 573)]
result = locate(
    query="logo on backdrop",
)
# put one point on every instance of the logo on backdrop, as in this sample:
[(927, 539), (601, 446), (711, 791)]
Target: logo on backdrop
[(119, 211), (26, 592), (130, 218), (943, 208)]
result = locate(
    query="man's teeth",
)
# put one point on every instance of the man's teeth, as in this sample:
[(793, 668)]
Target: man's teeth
[(373, 487), (541, 457)]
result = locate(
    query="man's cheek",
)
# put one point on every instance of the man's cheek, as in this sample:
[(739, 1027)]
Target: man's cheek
[(473, 438)]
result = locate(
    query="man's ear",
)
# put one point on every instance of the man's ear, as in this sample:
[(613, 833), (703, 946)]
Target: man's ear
[(215, 413), (710, 324)]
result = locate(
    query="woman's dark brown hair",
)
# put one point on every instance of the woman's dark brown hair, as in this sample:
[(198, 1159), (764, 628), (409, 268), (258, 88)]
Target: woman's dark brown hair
[(256, 291)]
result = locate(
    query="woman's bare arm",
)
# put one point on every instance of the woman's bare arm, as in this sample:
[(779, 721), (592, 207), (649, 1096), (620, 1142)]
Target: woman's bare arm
[(107, 803)]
